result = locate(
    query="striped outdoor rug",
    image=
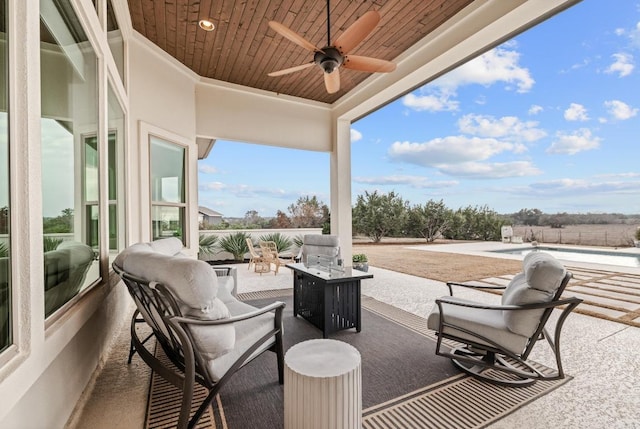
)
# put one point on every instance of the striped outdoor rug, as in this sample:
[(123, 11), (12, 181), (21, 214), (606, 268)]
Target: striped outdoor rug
[(455, 402)]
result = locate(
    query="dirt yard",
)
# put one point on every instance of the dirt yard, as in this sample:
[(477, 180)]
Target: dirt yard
[(435, 265)]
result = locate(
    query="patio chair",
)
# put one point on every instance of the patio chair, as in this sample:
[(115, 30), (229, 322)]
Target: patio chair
[(254, 256), (507, 233), (508, 237), (493, 342), (202, 328), (319, 245), (270, 255)]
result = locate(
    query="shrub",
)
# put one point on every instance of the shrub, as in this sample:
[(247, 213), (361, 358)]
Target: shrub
[(208, 244), (50, 243), (236, 244), (4, 250), (360, 258), (282, 243), (298, 240)]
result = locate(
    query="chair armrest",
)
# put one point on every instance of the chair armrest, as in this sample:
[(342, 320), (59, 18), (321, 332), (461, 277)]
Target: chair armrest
[(472, 286), (278, 306), (470, 304)]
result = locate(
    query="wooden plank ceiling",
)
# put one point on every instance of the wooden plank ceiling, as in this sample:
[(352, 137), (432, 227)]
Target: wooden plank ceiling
[(243, 48)]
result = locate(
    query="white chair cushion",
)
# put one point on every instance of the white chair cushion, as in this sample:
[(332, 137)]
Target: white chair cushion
[(167, 246), (543, 271), (325, 245), (488, 323), (193, 283), (134, 248), (541, 278), (523, 322), (247, 333), (321, 240)]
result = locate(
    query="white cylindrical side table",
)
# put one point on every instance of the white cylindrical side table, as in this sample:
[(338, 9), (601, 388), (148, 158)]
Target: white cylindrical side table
[(322, 386)]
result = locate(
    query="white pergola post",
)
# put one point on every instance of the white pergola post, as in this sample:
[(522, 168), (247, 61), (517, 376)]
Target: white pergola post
[(341, 186)]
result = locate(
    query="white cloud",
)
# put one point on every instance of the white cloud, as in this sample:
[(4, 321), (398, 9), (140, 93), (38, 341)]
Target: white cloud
[(570, 144), (497, 65), (575, 187), (207, 169), (576, 112), (430, 102), (535, 109), (413, 181), (247, 191), (620, 110), (619, 175), (355, 135), (623, 65), (496, 170), (462, 156), (448, 150), (212, 186), (508, 127), (634, 36)]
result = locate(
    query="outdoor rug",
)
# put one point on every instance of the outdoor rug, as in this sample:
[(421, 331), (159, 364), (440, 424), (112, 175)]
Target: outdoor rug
[(404, 384)]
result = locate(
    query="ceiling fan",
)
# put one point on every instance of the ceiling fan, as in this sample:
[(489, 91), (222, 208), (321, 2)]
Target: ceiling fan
[(332, 56)]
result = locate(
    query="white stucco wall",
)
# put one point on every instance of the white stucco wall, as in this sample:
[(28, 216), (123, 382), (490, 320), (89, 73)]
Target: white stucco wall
[(162, 95), (252, 116)]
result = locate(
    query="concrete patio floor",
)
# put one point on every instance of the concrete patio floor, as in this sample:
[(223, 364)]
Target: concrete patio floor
[(600, 355)]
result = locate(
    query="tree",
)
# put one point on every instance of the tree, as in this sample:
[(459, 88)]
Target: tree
[(558, 220), (253, 220), (280, 221), (528, 217), (59, 224), (379, 215), (429, 221), (308, 213), (475, 223)]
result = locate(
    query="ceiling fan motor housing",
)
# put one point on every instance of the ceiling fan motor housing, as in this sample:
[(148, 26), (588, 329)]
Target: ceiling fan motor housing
[(328, 59)]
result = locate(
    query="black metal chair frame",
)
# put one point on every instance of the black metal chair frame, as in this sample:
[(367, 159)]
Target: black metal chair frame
[(476, 357), (156, 306)]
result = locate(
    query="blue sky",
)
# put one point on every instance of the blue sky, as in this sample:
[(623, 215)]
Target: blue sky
[(547, 120)]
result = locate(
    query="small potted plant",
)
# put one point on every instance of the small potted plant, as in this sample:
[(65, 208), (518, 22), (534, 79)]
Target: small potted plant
[(360, 262)]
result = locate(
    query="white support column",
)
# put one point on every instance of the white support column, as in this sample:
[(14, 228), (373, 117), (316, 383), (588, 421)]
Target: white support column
[(341, 186)]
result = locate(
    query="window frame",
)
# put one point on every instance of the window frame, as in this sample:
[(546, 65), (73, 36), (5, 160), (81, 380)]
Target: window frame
[(145, 132)]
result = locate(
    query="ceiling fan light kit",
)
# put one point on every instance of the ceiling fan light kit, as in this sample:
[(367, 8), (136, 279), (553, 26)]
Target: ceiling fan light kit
[(328, 59), (333, 56)]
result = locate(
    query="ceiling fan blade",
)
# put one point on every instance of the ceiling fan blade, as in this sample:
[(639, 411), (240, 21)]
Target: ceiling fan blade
[(367, 64), (292, 35), (290, 70), (332, 81), (356, 33)]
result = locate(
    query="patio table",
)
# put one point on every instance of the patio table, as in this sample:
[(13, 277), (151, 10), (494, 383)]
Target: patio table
[(329, 299)]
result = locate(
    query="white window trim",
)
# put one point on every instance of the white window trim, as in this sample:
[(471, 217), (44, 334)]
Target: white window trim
[(146, 131)]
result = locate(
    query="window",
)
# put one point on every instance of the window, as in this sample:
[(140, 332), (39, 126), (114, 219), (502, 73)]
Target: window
[(5, 243), (168, 204), (115, 183), (70, 155)]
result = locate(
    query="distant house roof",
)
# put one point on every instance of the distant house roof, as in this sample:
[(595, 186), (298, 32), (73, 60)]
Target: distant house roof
[(208, 212)]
